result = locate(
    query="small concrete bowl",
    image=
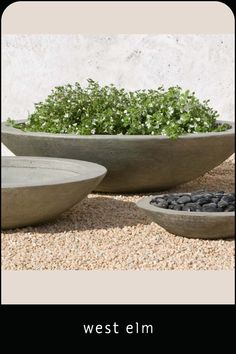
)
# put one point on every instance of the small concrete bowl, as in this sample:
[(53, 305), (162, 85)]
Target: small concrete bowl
[(36, 189), (208, 225)]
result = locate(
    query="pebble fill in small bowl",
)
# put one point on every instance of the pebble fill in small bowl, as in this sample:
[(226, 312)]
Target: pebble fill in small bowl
[(200, 214), (198, 201)]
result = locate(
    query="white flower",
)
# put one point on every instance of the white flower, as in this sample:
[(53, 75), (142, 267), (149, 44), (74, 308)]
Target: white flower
[(93, 131), (170, 110)]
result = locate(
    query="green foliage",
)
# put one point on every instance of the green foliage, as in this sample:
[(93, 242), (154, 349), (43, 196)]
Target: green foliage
[(109, 110)]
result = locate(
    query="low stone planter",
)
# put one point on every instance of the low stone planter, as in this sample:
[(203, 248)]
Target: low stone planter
[(209, 225), (135, 163), (35, 190)]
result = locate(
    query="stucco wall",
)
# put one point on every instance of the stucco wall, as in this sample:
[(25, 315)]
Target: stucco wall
[(33, 64)]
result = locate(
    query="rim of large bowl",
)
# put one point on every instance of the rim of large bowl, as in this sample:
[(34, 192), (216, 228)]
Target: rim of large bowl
[(11, 130), (144, 203), (93, 170)]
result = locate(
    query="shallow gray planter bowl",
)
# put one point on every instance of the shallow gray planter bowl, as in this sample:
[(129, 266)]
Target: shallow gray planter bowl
[(191, 224), (134, 163), (37, 189)]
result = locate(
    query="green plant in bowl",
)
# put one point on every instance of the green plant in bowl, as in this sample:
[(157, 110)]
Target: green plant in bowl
[(108, 110)]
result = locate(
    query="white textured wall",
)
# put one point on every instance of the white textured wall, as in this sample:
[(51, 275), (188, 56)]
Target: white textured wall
[(33, 64)]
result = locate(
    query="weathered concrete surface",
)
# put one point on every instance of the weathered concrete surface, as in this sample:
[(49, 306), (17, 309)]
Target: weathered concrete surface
[(191, 224), (134, 163), (36, 190)]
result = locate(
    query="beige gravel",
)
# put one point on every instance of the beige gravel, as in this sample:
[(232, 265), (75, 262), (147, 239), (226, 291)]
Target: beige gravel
[(110, 232)]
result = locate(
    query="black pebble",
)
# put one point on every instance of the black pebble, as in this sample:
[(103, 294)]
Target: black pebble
[(184, 199), (171, 199), (204, 200), (196, 197), (228, 198), (209, 207), (177, 207), (163, 204), (190, 207), (171, 206), (215, 200), (222, 204)]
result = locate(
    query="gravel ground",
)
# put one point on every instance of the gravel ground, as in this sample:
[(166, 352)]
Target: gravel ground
[(110, 232)]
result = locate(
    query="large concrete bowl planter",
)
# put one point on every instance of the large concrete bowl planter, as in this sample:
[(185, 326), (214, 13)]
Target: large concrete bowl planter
[(135, 163), (37, 189), (208, 225)]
